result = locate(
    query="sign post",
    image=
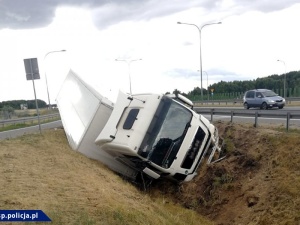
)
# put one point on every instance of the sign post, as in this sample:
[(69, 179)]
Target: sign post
[(32, 73), (212, 93)]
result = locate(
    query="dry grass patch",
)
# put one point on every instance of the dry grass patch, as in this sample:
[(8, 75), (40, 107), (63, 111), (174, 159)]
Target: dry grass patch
[(42, 172)]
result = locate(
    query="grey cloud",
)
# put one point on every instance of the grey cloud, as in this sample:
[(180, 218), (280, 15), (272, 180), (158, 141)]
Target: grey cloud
[(225, 75), (213, 74), (21, 14), (185, 73), (25, 14), (265, 5), (112, 13)]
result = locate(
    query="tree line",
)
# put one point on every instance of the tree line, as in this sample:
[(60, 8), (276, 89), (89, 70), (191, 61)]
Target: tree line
[(16, 104), (272, 82)]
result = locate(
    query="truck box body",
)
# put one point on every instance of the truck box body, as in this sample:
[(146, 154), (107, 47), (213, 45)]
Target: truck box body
[(84, 113)]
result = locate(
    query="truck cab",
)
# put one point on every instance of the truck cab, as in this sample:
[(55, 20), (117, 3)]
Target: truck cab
[(158, 135)]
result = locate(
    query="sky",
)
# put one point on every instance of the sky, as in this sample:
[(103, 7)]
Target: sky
[(155, 53)]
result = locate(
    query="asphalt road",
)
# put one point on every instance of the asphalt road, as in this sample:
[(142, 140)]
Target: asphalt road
[(28, 130), (294, 123)]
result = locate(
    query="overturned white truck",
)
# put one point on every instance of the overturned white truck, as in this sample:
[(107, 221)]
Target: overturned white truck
[(154, 134)]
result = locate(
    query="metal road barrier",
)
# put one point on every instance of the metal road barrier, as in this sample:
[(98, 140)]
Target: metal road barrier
[(250, 113), (23, 120), (289, 100)]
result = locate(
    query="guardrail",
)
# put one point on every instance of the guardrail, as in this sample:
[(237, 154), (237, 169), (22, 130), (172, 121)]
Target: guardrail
[(255, 114), (32, 119), (289, 100)]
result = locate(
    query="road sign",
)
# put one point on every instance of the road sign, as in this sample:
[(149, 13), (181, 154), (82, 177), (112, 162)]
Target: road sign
[(32, 69), (32, 73)]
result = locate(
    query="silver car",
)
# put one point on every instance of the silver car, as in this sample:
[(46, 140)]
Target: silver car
[(263, 98)]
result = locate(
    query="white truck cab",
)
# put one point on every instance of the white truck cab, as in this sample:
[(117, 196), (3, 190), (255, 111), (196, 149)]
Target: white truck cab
[(159, 135)]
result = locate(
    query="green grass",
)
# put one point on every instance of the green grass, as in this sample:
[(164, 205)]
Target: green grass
[(290, 130)]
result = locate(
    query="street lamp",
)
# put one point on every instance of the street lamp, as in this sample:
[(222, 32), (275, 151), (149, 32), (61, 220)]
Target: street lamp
[(200, 29), (128, 63), (207, 85), (284, 81), (46, 75)]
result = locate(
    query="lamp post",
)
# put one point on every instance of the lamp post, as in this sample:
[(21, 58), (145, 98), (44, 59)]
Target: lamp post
[(200, 29), (207, 85), (284, 81), (128, 63), (46, 74)]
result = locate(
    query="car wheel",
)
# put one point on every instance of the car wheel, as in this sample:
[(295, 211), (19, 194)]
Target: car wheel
[(280, 107), (264, 106), (246, 106)]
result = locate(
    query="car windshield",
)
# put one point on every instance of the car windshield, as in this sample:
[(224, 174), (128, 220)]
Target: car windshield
[(269, 94), (165, 133)]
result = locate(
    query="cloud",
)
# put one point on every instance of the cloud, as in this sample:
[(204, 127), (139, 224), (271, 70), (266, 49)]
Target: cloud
[(265, 5), (20, 14), (141, 10), (182, 73), (213, 74)]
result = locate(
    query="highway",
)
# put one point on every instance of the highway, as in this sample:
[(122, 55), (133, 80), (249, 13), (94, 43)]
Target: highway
[(221, 113), (28, 130)]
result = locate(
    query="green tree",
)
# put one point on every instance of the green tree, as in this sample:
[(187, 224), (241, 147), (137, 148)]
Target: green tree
[(7, 111), (273, 82), (15, 104)]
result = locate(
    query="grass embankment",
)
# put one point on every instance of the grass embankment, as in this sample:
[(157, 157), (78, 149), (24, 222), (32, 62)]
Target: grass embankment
[(40, 171), (258, 182)]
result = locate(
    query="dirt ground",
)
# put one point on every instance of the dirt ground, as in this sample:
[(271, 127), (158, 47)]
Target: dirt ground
[(257, 183)]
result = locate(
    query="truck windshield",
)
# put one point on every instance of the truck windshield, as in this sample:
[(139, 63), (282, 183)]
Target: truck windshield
[(165, 133)]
